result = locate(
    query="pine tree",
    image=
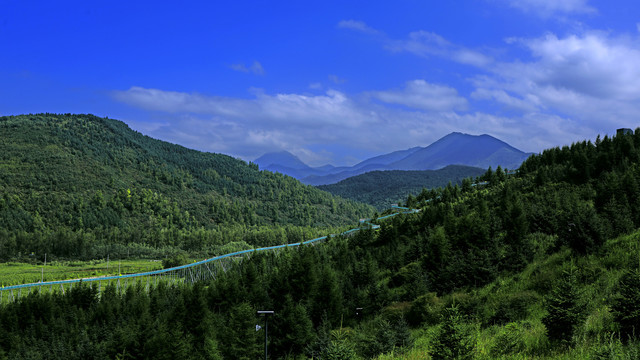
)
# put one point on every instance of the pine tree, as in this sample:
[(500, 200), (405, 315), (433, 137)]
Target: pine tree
[(239, 336), (454, 340), (626, 306), (292, 329), (340, 347), (563, 307), (322, 340), (402, 334)]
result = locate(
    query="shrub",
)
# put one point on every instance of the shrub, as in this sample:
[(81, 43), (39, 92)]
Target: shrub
[(176, 259), (509, 340), (425, 309), (514, 307)]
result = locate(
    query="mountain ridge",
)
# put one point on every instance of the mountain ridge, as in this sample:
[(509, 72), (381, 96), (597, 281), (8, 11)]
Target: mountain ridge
[(463, 149), (456, 148)]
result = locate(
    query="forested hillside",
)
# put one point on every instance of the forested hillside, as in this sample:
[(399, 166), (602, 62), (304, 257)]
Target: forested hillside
[(540, 264), (384, 188), (80, 186)]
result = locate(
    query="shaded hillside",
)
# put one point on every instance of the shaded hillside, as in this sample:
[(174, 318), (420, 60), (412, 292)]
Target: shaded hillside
[(383, 188), (387, 159), (95, 178)]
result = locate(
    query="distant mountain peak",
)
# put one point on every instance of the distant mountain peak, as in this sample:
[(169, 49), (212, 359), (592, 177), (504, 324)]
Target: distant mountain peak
[(455, 148), (280, 158), (463, 149)]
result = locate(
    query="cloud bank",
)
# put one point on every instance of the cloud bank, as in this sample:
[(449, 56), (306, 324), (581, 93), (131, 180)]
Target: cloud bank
[(592, 77), (557, 90), (368, 123)]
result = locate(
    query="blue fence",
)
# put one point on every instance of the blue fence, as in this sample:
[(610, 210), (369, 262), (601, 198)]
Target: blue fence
[(196, 271)]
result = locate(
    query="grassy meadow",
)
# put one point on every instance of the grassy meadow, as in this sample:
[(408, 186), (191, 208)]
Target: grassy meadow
[(14, 273)]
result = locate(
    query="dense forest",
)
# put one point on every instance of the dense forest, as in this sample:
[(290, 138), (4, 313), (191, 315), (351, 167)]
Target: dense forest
[(80, 186), (541, 264), (384, 188)]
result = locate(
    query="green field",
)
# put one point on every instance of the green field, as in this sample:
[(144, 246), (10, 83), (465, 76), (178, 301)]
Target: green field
[(14, 273)]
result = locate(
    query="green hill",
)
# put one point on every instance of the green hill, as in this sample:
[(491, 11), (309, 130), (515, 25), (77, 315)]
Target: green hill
[(543, 264), (79, 179), (383, 188)]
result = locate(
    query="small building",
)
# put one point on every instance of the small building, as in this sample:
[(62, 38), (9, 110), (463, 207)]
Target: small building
[(624, 131)]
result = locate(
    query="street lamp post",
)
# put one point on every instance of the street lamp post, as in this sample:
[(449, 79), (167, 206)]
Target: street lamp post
[(266, 314)]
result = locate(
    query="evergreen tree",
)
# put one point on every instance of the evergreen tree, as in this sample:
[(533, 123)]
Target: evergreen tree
[(292, 329), (340, 348), (402, 335), (626, 305), (564, 311), (322, 340), (239, 335), (454, 340)]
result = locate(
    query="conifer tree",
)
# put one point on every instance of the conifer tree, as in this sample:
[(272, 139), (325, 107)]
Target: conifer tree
[(453, 341), (563, 308), (340, 348), (322, 340), (626, 306)]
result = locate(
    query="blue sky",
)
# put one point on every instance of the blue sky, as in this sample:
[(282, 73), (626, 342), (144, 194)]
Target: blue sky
[(330, 81)]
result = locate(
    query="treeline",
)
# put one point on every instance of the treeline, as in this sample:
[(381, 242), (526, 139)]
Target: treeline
[(68, 179), (138, 223)]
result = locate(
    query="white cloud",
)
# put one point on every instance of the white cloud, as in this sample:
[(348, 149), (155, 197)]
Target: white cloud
[(239, 67), (567, 89), (356, 25), (328, 124), (251, 127), (425, 44), (527, 105), (419, 94), (255, 68), (178, 102), (279, 108), (548, 8), (336, 80), (592, 77)]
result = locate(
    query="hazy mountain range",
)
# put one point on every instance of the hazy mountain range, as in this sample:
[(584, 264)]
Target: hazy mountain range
[(480, 151)]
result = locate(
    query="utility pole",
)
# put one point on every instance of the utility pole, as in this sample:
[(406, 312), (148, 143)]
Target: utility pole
[(266, 314), (45, 264)]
